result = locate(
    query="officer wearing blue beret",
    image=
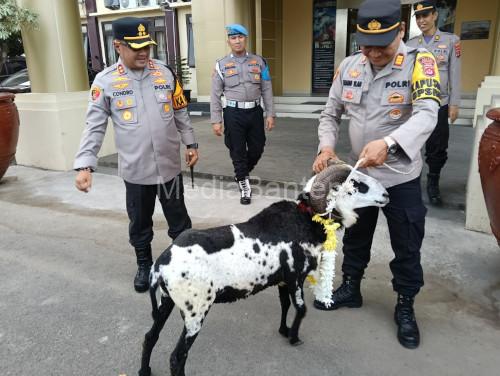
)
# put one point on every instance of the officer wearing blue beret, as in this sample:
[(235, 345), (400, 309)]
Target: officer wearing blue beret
[(243, 78), (147, 106), (391, 93)]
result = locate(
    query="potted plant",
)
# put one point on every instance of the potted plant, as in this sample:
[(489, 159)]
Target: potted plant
[(183, 72), (12, 18)]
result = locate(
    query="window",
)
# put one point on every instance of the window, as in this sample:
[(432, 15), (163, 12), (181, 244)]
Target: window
[(109, 49), (190, 39), (446, 15), (156, 30)]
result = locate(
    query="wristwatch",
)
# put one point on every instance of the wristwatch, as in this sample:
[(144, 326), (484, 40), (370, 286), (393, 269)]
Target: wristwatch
[(192, 146), (392, 145)]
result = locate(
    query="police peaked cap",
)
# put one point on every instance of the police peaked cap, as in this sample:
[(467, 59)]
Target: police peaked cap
[(424, 6), (133, 31), (378, 22), (236, 29)]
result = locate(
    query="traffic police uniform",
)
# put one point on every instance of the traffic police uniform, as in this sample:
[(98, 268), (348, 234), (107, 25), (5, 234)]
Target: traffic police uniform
[(148, 110), (400, 100), (243, 81), (446, 49)]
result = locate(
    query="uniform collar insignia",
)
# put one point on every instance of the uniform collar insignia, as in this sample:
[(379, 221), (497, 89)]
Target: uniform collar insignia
[(121, 69), (437, 37), (398, 60), (151, 64)]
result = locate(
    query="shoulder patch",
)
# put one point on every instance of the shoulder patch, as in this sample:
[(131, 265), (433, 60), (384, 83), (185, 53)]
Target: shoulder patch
[(425, 78), (458, 49), (179, 101), (95, 93)]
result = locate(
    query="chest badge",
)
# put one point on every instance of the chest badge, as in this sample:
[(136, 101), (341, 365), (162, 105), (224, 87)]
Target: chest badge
[(119, 103), (395, 114), (160, 81), (121, 86), (348, 94), (354, 73), (166, 107), (127, 115), (396, 98), (257, 77)]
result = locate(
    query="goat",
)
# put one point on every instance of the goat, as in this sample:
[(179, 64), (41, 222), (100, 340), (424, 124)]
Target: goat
[(278, 246)]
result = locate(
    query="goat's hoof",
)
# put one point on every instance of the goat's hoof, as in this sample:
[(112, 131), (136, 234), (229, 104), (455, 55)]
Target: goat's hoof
[(296, 342), (145, 371), (285, 332)]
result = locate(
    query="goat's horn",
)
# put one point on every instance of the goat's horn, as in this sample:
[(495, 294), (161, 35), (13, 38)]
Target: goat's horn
[(336, 173)]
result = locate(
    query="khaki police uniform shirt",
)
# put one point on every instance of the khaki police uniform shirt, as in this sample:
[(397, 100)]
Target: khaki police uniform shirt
[(149, 115), (401, 101), (240, 79), (447, 50)]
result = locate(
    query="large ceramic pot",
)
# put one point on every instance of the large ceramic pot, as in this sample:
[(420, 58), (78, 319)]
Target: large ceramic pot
[(9, 130), (489, 169)]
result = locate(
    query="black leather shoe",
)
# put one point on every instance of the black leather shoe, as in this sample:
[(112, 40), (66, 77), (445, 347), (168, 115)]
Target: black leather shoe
[(404, 315), (144, 262), (433, 189), (347, 295)]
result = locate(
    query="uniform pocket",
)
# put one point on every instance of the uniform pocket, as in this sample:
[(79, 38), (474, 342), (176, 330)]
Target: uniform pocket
[(164, 100), (231, 77), (125, 109), (254, 72)]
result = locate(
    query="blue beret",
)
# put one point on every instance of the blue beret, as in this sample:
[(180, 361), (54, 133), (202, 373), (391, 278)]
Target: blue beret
[(236, 29)]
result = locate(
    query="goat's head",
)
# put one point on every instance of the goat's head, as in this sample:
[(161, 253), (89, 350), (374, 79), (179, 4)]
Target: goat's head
[(342, 189)]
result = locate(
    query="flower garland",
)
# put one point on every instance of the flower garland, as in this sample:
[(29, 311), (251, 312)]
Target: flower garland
[(323, 288)]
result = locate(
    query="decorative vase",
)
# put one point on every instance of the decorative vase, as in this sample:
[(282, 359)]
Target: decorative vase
[(9, 130), (489, 169)]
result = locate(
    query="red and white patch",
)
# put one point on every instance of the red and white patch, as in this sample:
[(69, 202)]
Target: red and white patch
[(95, 93), (427, 66), (395, 114), (348, 94), (458, 49)]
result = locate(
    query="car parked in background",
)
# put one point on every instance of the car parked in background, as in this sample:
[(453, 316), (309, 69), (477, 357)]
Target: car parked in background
[(18, 82)]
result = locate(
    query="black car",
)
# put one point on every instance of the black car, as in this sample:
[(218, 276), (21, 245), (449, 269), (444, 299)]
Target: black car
[(17, 83)]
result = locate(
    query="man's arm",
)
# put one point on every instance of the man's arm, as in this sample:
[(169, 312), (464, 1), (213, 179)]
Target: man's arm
[(215, 95), (413, 134), (266, 88), (98, 112), (455, 78), (329, 122)]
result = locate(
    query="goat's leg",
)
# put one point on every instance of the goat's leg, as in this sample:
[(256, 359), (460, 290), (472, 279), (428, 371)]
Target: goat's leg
[(296, 291), (285, 305), (151, 337), (180, 353)]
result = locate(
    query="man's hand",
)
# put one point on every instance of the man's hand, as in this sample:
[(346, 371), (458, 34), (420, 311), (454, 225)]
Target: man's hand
[(191, 157), (218, 129), (453, 113), (269, 123), (321, 161), (83, 181), (374, 153)]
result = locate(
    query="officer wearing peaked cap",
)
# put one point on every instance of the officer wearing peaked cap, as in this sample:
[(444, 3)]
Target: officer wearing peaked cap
[(446, 49), (243, 78), (147, 106), (391, 93)]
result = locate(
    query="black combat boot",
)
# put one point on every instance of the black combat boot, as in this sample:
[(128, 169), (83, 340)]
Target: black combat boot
[(433, 189), (245, 190), (404, 315), (144, 262), (347, 295)]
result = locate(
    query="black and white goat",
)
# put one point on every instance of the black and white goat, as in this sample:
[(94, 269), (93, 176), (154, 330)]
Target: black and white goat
[(279, 246)]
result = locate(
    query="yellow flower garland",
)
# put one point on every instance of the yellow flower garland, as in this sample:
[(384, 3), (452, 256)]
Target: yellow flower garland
[(330, 243)]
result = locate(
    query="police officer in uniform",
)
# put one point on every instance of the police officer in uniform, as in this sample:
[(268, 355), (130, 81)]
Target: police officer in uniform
[(147, 106), (243, 78), (446, 49), (391, 94)]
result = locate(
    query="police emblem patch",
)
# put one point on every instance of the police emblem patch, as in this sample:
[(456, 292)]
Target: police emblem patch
[(395, 114), (95, 93), (427, 63)]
